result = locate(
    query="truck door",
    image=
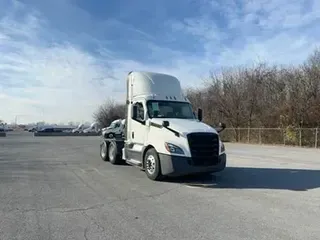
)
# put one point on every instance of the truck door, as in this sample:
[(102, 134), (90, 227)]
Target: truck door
[(138, 131), (115, 128)]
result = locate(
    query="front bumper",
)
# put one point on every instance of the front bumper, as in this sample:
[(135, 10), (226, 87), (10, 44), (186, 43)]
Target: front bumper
[(179, 166)]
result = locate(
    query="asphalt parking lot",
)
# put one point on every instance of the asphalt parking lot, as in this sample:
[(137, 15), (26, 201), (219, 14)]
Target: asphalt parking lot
[(59, 188)]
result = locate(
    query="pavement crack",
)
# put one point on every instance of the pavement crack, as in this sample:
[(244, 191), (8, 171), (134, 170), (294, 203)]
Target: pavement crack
[(86, 233), (96, 206), (94, 222), (153, 196), (82, 209), (163, 193), (55, 209)]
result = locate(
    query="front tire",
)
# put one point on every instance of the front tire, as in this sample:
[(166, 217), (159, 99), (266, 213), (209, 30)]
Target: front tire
[(152, 165)]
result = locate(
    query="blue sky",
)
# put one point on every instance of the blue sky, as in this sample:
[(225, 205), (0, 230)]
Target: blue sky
[(60, 59)]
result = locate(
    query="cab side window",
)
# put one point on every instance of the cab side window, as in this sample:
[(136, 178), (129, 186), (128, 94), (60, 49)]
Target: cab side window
[(139, 114)]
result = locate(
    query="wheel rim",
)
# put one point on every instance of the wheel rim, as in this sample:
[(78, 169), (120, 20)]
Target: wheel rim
[(103, 150), (111, 152), (110, 135), (151, 164)]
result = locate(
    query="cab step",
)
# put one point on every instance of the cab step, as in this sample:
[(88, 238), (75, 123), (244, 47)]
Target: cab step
[(134, 162)]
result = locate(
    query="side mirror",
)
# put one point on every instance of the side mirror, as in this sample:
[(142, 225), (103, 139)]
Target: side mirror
[(200, 114), (165, 124), (222, 127), (134, 112)]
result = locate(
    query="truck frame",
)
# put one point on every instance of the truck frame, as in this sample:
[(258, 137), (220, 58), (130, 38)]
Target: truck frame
[(162, 134)]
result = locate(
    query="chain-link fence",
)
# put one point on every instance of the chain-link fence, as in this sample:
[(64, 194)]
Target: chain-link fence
[(303, 137)]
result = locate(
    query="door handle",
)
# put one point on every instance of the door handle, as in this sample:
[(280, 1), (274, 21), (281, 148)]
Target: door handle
[(132, 134)]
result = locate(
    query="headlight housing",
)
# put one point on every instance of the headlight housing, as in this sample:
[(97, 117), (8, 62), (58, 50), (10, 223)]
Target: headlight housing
[(222, 147), (171, 148)]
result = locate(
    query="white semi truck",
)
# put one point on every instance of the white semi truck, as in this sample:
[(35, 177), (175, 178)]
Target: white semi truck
[(162, 135)]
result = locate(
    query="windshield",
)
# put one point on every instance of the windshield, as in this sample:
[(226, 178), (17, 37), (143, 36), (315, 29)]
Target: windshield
[(169, 109), (114, 125)]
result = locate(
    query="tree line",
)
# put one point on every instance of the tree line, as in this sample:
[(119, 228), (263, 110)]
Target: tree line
[(259, 95)]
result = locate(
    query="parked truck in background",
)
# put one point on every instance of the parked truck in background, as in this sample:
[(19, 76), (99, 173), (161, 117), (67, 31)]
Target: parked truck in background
[(115, 129), (162, 135)]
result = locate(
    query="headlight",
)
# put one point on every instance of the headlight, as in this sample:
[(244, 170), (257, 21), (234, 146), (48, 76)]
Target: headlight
[(171, 148), (222, 148)]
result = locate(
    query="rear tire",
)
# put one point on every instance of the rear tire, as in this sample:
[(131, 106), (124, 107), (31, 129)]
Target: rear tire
[(104, 151), (152, 165), (113, 155)]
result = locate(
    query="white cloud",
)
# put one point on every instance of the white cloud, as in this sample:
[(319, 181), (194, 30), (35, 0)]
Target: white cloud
[(43, 77), (55, 83), (58, 82), (284, 14), (277, 31)]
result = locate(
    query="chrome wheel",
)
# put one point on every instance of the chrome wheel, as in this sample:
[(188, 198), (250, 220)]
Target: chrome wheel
[(151, 164)]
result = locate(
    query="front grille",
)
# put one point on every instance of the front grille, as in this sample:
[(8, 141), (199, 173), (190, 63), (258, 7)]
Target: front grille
[(204, 148)]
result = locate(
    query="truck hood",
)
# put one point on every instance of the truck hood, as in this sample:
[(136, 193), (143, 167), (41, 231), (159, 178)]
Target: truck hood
[(185, 126)]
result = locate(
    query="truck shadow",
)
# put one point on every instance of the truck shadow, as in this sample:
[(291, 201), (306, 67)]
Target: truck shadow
[(256, 178)]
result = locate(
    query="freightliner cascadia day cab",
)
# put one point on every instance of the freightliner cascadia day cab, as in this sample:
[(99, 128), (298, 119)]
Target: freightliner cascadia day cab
[(162, 135)]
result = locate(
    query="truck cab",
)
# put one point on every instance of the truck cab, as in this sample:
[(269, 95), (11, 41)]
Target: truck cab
[(92, 128), (162, 134), (115, 129)]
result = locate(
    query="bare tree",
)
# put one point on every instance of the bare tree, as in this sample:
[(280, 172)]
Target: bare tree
[(312, 73), (108, 112), (262, 95)]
